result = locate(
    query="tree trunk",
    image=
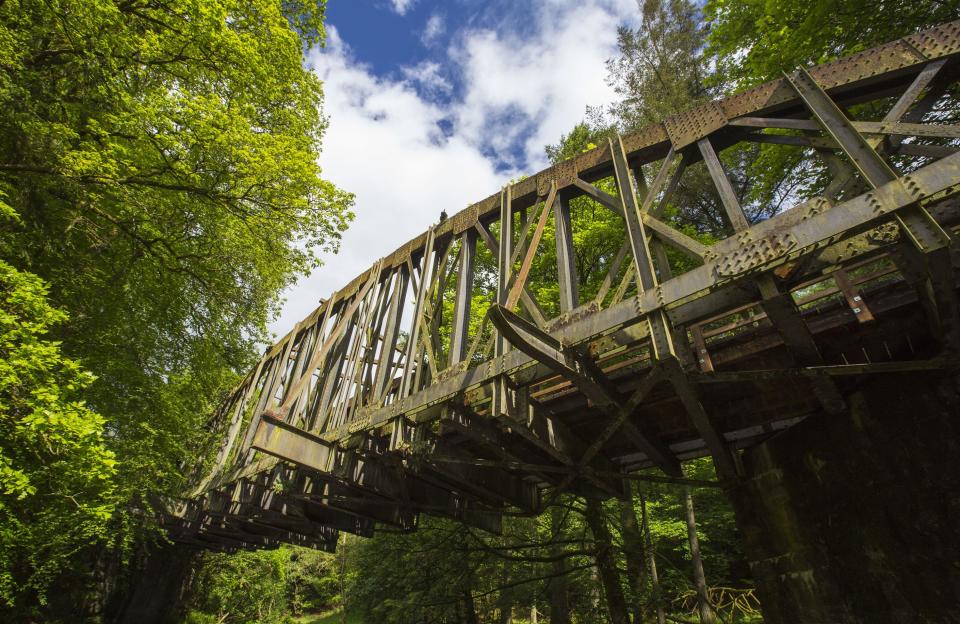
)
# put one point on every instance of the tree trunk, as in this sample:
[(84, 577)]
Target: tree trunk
[(703, 601), (606, 563), (504, 608), (633, 551), (469, 608), (652, 558), (559, 604)]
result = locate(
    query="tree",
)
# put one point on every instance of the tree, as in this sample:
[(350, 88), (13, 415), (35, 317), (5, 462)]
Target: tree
[(57, 476), (659, 69), (162, 156), (262, 586), (752, 41), (445, 571)]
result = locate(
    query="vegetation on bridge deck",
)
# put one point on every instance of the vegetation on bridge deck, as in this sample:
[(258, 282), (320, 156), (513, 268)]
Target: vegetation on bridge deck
[(159, 189)]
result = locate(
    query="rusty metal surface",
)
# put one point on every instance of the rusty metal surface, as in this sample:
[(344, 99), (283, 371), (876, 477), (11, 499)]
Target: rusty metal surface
[(347, 422)]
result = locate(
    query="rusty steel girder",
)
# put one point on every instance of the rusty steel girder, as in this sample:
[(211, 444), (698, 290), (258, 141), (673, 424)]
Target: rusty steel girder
[(371, 411)]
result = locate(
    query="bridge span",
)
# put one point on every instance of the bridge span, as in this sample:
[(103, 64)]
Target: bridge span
[(396, 397)]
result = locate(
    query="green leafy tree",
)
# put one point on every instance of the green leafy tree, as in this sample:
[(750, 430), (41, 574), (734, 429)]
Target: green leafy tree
[(660, 70), (659, 67), (446, 572), (752, 41), (242, 587), (57, 476), (162, 156), (263, 586)]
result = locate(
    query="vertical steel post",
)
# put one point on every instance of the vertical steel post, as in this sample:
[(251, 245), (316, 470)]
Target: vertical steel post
[(412, 363), (566, 260), (660, 334), (505, 268), (389, 348), (461, 309)]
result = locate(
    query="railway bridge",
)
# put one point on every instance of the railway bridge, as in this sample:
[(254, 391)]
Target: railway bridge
[(811, 351)]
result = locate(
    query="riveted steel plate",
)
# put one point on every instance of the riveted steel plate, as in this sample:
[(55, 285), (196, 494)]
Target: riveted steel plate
[(866, 64), (589, 160), (758, 98), (465, 219), (692, 125), (754, 254), (562, 173), (649, 136), (523, 187), (937, 42)]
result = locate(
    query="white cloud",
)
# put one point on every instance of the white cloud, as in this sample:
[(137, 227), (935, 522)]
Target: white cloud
[(432, 30), (384, 145), (401, 6), (534, 88), (384, 142), (428, 75)]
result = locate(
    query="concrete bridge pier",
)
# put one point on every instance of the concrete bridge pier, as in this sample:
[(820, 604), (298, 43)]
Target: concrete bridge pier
[(856, 518)]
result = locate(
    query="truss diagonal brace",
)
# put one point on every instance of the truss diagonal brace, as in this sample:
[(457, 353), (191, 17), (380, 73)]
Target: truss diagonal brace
[(654, 449), (532, 422), (689, 394), (569, 364), (917, 224), (661, 333), (294, 393), (669, 235), (547, 350), (924, 232)]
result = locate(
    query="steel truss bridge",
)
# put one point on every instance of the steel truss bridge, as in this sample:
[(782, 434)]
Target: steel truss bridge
[(379, 407)]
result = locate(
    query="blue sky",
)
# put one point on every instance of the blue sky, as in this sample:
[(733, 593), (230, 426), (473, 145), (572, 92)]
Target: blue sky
[(433, 105), (411, 39), (390, 34)]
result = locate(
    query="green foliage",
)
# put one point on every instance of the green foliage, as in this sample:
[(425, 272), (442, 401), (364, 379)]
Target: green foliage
[(160, 173), (444, 570), (242, 587), (723, 558), (755, 40), (659, 68), (397, 578), (162, 158), (57, 477), (263, 587)]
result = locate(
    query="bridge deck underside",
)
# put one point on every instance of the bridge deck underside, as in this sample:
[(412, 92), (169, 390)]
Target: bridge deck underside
[(381, 406)]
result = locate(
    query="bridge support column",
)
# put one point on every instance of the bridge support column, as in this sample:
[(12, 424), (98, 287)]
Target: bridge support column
[(855, 517)]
